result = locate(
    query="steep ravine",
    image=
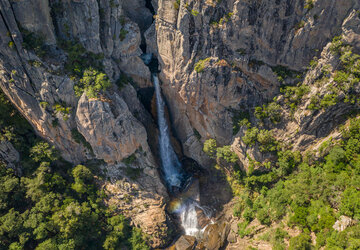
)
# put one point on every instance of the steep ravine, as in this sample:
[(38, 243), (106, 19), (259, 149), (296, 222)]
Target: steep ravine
[(181, 178), (217, 62)]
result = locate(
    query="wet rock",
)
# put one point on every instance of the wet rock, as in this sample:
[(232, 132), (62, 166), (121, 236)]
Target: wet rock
[(215, 235), (203, 219), (185, 242)]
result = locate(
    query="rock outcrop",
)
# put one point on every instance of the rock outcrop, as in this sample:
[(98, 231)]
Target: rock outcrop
[(343, 222), (38, 41), (9, 155)]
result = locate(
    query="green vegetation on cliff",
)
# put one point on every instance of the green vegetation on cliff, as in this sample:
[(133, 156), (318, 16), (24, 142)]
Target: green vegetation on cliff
[(52, 204), (307, 191)]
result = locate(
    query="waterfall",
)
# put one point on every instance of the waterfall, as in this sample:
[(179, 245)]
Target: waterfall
[(170, 163), (189, 220), (172, 168)]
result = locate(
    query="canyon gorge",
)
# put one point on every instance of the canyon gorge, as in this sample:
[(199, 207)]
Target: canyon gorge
[(183, 104)]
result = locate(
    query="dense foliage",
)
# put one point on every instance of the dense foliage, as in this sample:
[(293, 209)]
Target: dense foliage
[(302, 191), (308, 191), (53, 205)]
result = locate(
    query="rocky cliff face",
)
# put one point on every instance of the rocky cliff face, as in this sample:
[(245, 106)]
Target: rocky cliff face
[(220, 59), (217, 58), (236, 46), (35, 76)]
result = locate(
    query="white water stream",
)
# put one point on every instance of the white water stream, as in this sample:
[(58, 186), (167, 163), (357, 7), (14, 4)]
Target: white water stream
[(172, 167), (170, 163)]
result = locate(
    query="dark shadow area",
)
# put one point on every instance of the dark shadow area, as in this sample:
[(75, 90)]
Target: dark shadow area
[(149, 5)]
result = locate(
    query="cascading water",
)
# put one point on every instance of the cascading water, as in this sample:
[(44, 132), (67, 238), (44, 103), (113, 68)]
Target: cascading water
[(173, 173), (176, 178), (189, 220), (170, 163)]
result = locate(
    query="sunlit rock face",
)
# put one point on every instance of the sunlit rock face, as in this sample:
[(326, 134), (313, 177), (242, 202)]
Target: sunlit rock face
[(110, 128), (241, 41), (216, 58)]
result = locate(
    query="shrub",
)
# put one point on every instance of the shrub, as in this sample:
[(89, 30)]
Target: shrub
[(133, 173), (271, 111), (302, 241), (313, 63), (44, 104), (177, 4), (123, 80), (42, 151), (137, 240), (267, 141), (294, 95), (11, 44), (309, 4), (238, 209), (123, 34), (200, 65), (263, 216), (341, 77), (239, 119), (93, 83), (61, 108), (328, 100), (82, 173), (243, 230), (130, 159), (197, 134), (299, 25), (299, 217), (79, 138), (260, 112), (250, 136), (194, 12), (336, 45), (314, 103), (350, 203), (248, 214), (227, 154), (35, 63), (79, 59), (35, 42), (210, 147), (283, 72), (287, 162)]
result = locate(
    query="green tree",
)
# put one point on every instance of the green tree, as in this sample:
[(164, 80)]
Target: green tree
[(93, 83), (210, 147), (350, 203), (42, 151), (227, 154), (83, 179), (300, 242)]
